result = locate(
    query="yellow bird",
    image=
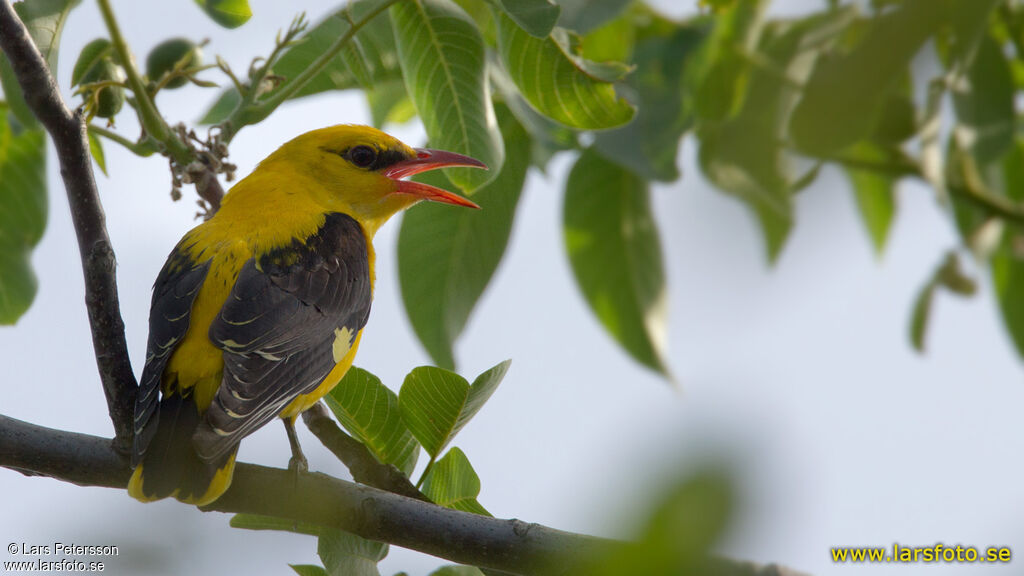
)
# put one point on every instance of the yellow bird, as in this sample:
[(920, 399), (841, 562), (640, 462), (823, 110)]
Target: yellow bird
[(258, 311)]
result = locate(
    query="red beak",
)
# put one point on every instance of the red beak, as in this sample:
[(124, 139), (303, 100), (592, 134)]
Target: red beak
[(427, 159)]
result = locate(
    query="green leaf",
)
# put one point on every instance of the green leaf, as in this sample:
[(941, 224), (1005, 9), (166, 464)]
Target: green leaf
[(537, 17), (345, 554), (681, 533), (261, 522), (649, 145), (355, 60), (436, 403), (557, 83), (582, 16), (369, 411), (613, 246), (227, 13), (949, 276), (376, 43), (969, 21), (452, 483), (90, 59), (443, 62), (547, 137), (845, 94), (722, 87), (308, 570), (921, 315), (96, 149), (446, 257), (390, 104), (23, 207), (457, 571), (1007, 268), (875, 192), (984, 104), (45, 22)]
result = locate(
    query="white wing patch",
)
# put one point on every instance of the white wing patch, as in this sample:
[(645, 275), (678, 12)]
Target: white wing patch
[(342, 343)]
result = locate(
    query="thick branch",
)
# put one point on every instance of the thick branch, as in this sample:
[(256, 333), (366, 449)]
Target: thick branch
[(507, 545), (68, 131)]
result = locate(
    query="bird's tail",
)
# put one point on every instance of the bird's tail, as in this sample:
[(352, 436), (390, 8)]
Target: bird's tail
[(171, 467)]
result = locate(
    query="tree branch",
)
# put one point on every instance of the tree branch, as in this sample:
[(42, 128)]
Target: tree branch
[(68, 132), (507, 545)]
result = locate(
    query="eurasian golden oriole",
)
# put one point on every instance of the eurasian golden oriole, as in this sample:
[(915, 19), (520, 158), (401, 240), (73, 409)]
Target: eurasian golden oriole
[(259, 310)]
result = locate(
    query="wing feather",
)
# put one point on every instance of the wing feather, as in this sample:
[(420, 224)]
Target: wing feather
[(174, 292), (278, 326)]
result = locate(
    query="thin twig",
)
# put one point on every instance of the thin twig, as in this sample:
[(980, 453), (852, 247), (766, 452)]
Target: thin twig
[(248, 113), (143, 148), (356, 457), (70, 138)]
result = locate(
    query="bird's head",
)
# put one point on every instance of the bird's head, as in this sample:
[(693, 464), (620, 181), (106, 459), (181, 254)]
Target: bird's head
[(361, 170)]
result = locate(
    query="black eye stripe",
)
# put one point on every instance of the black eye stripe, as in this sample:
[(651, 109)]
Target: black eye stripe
[(383, 159)]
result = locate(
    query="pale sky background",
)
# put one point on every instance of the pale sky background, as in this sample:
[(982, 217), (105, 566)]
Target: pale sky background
[(839, 434)]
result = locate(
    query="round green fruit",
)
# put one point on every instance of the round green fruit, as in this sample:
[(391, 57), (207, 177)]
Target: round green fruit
[(163, 58)]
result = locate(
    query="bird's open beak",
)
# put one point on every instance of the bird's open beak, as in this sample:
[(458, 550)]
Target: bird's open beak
[(427, 159)]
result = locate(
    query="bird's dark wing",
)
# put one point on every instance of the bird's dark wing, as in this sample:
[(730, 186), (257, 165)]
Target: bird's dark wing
[(174, 292), (279, 326)]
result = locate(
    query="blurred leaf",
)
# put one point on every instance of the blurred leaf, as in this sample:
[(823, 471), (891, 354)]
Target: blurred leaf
[(345, 554), (376, 42), (23, 207), (260, 522), (614, 40), (446, 257), (44, 20), (875, 192), (1007, 267), (949, 276), (649, 145), (681, 532), (96, 149), (457, 571), (897, 121), (921, 315), (723, 84), (952, 277), (537, 17), (743, 155), (613, 246), (583, 16), (369, 411), (436, 403), (984, 104), (846, 92), (443, 62), (558, 84), (227, 13), (308, 570), (390, 104), (452, 483), (969, 20)]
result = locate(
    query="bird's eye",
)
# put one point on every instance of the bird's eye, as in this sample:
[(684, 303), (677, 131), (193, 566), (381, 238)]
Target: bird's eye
[(362, 156)]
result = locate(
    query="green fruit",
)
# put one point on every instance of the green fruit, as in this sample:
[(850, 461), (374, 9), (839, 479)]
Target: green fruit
[(110, 98), (96, 64), (167, 55)]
